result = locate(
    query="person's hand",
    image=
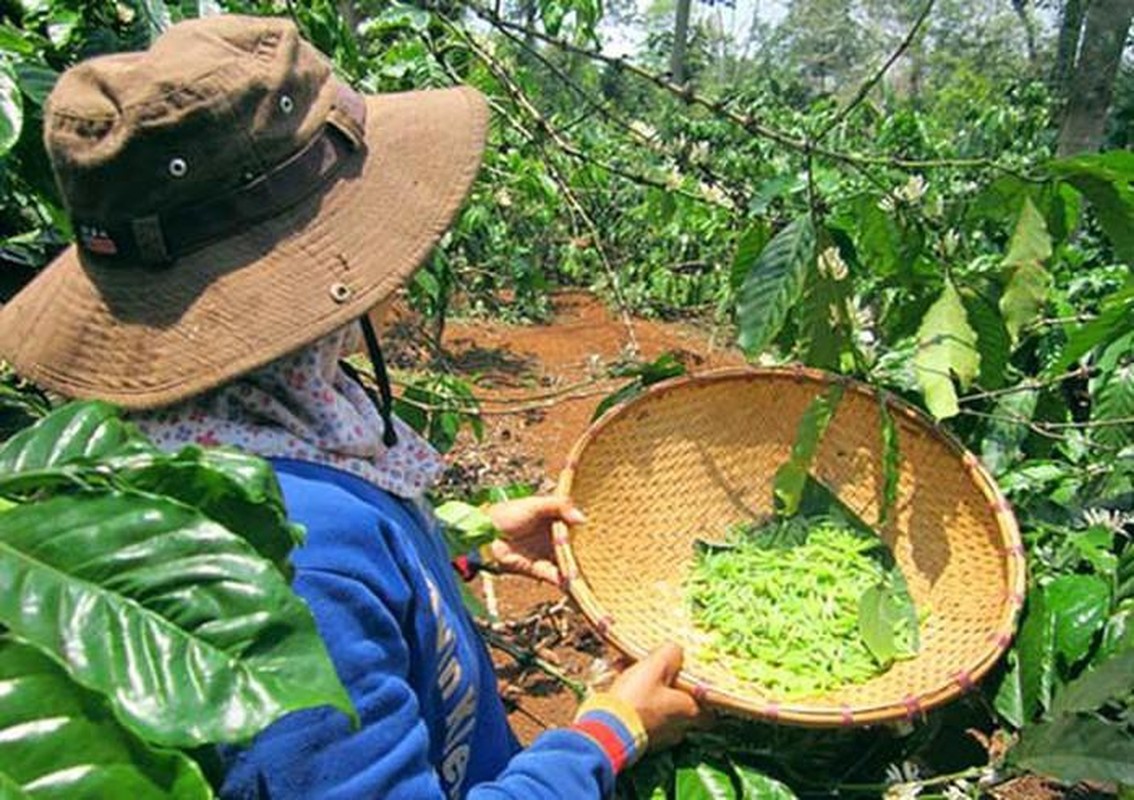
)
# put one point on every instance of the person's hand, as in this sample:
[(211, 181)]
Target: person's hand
[(526, 548), (666, 713)]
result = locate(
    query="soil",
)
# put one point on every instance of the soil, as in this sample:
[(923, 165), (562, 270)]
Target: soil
[(539, 386)]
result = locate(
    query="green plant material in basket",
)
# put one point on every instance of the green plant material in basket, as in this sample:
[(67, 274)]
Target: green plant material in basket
[(801, 606)]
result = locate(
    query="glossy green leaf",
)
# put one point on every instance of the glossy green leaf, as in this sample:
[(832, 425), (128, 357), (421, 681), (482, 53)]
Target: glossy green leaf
[(1008, 699), (1030, 243), (237, 490), (758, 786), (791, 478), (1075, 748), (774, 284), (1024, 297), (1035, 654), (84, 430), (61, 742), (1080, 605), (11, 108), (702, 780), (1105, 180), (210, 644), (1110, 680), (946, 348)]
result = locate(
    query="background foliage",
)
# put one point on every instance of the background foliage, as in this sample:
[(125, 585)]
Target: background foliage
[(907, 192)]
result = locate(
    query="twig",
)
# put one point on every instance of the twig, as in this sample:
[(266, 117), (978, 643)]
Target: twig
[(526, 658), (872, 81)]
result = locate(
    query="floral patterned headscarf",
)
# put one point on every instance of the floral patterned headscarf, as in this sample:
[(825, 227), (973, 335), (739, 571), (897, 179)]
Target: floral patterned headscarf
[(302, 406)]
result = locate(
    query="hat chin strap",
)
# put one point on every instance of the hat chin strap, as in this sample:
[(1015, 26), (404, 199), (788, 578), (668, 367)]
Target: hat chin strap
[(383, 400)]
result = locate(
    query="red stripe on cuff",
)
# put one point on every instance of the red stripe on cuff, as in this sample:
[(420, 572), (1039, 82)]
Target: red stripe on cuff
[(607, 739)]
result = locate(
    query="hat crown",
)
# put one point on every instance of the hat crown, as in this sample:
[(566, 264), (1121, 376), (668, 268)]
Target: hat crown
[(212, 104)]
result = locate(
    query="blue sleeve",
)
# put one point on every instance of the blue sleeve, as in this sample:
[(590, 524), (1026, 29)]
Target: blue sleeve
[(315, 754)]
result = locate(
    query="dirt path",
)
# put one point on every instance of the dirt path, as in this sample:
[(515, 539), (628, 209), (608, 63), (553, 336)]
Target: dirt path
[(562, 365)]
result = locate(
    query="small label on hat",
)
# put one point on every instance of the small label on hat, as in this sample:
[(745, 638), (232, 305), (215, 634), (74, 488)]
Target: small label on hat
[(97, 240)]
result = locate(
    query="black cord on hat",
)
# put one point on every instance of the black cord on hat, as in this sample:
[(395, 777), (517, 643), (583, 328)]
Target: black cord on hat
[(385, 403)]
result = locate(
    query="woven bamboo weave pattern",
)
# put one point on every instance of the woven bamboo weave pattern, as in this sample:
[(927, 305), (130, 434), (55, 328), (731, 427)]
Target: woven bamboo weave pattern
[(693, 456)]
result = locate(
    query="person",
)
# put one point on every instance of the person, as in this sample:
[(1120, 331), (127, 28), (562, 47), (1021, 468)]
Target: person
[(238, 213)]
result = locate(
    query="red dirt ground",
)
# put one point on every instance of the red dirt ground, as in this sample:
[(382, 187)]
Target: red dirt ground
[(562, 366)]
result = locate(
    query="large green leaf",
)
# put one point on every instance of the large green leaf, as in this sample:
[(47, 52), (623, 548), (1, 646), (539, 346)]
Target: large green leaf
[(85, 430), (758, 786), (192, 635), (946, 348), (791, 478), (701, 780), (1113, 679), (1024, 297), (1035, 657), (774, 284), (1075, 748), (1080, 605), (824, 320), (1008, 699), (748, 249), (11, 108), (238, 490), (1003, 444), (1105, 179), (61, 742)]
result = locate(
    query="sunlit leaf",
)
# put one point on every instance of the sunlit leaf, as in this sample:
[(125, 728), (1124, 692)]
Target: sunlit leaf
[(1030, 243), (946, 348), (11, 108), (61, 741), (774, 284), (466, 527), (76, 431), (1024, 297), (758, 786), (192, 635), (703, 780), (1115, 319)]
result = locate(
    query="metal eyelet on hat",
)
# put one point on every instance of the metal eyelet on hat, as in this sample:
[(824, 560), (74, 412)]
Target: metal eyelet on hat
[(286, 104), (340, 292), (178, 167)]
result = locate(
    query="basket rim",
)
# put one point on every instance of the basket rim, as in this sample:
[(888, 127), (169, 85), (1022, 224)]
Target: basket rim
[(908, 707)]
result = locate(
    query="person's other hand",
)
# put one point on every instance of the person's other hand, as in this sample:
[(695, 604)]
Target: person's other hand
[(667, 713), (526, 547)]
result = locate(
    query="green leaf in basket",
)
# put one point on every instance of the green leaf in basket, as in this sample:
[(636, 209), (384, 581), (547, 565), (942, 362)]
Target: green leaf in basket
[(791, 478), (758, 786), (887, 623)]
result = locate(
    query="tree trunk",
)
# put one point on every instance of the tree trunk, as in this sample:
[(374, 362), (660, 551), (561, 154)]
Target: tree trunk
[(1070, 31), (1091, 85), (1025, 15), (680, 36)]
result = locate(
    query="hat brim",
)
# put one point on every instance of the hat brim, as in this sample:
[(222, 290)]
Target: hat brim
[(143, 337)]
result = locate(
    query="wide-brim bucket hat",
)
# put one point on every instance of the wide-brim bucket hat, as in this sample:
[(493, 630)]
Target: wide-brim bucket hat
[(232, 202)]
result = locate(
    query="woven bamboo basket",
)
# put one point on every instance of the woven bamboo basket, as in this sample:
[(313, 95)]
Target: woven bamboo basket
[(691, 456)]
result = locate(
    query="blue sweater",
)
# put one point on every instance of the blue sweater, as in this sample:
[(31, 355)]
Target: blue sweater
[(376, 575)]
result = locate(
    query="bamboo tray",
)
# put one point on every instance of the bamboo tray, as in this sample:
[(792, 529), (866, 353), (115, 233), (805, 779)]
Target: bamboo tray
[(699, 453)]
